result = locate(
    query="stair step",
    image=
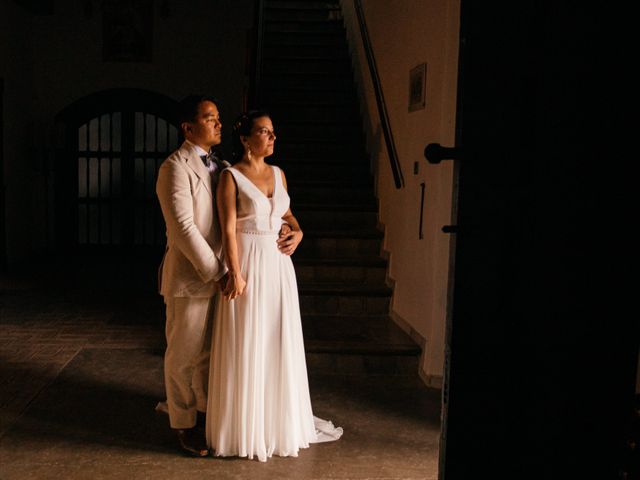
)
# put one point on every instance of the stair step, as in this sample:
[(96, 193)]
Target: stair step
[(319, 113), (329, 195), (356, 176), (284, 50), (307, 65), (336, 218), (328, 246), (339, 182), (371, 333), (360, 200), (314, 81), (317, 175), (291, 14), (359, 347), (353, 328), (333, 206), (328, 161), (304, 98), (303, 4), (286, 159), (343, 175), (341, 187), (303, 38), (307, 105), (336, 132), (354, 324), (292, 148), (305, 27), (287, 123), (359, 274), (362, 261), (342, 235), (317, 170), (360, 363), (345, 299), (340, 304), (349, 290)]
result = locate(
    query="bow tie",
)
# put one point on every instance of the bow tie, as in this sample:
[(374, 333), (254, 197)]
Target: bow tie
[(210, 161)]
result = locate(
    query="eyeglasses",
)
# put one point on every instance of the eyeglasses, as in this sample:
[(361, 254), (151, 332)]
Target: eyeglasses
[(264, 131)]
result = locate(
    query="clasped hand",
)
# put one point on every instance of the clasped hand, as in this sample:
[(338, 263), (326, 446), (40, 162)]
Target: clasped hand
[(232, 285), (288, 239)]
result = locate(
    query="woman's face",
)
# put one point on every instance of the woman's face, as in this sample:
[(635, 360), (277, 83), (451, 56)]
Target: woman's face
[(262, 137)]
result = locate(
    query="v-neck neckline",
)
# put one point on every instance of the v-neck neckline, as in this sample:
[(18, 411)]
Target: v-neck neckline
[(273, 173)]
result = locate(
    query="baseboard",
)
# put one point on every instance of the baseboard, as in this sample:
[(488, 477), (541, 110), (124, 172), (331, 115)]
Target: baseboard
[(431, 381), (408, 329)]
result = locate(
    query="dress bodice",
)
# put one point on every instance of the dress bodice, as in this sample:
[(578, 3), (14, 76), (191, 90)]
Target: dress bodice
[(255, 212)]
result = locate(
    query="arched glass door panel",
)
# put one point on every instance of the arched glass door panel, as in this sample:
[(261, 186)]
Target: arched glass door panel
[(118, 156)]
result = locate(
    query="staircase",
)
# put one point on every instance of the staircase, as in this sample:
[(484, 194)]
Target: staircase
[(307, 86)]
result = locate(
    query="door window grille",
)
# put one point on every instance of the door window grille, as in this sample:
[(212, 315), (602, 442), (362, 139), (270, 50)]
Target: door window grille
[(118, 155)]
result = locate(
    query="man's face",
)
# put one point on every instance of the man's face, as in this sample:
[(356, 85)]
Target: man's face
[(205, 130)]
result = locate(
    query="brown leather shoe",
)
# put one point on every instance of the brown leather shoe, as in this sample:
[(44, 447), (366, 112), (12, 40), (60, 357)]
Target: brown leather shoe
[(192, 441)]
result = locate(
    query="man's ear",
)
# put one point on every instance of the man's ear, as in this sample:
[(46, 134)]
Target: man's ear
[(186, 127)]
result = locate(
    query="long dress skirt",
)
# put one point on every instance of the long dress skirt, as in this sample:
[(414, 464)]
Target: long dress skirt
[(259, 402)]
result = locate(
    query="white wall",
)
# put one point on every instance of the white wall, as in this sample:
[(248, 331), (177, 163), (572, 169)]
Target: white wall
[(403, 34), (50, 61)]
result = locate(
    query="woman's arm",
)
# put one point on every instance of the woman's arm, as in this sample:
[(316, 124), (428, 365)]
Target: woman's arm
[(289, 241), (226, 203)]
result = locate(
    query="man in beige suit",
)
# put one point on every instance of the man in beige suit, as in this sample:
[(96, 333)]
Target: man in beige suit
[(192, 269)]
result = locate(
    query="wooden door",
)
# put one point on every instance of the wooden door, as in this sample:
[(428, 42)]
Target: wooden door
[(115, 142), (543, 345)]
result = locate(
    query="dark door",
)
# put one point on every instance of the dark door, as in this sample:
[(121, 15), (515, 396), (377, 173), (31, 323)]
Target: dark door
[(542, 356), (115, 142)]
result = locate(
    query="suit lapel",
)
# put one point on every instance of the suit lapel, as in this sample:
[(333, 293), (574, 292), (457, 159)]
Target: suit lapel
[(195, 163)]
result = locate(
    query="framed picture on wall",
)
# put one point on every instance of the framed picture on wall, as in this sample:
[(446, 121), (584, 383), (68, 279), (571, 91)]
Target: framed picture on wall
[(127, 30), (417, 87)]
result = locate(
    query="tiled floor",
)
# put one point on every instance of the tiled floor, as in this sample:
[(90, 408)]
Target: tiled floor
[(81, 370)]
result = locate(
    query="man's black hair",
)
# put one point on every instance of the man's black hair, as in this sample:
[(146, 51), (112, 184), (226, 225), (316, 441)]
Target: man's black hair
[(188, 107)]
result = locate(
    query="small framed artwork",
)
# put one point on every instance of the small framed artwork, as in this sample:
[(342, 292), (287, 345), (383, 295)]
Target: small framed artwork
[(417, 87), (127, 30)]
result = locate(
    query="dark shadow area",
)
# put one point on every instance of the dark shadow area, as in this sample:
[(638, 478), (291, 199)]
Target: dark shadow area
[(543, 348), (403, 398), (103, 396), (100, 272)]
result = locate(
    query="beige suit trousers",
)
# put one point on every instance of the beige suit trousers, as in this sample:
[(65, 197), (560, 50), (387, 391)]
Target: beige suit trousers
[(186, 361)]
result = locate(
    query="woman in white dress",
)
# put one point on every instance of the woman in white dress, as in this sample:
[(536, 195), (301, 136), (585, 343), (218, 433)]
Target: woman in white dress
[(259, 401)]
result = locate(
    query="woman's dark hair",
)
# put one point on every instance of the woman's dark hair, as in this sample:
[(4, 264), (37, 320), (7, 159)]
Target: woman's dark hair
[(242, 128)]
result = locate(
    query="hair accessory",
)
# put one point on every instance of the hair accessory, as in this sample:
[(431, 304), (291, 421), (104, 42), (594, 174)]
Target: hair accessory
[(240, 122)]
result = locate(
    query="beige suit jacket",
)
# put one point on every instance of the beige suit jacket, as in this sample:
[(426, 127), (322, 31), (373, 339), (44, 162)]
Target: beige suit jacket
[(193, 259)]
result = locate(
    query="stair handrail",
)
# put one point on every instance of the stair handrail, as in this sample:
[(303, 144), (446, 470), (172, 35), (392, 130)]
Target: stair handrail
[(255, 60), (382, 108)]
